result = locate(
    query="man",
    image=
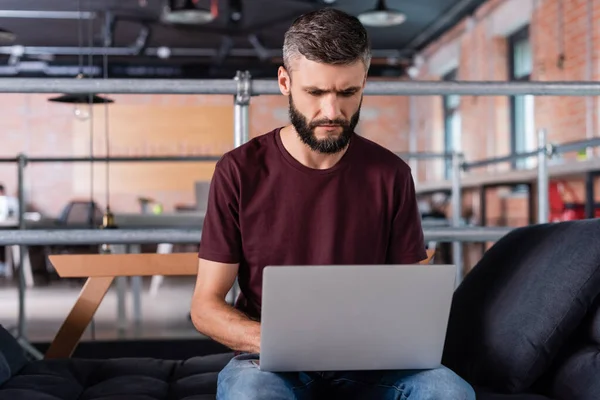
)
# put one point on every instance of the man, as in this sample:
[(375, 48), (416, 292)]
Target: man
[(313, 192)]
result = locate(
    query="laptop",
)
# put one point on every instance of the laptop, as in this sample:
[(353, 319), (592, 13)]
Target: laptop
[(354, 317)]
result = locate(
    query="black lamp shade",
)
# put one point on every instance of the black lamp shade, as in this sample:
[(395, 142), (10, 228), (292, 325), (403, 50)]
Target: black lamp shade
[(185, 12), (7, 36), (381, 16), (80, 99)]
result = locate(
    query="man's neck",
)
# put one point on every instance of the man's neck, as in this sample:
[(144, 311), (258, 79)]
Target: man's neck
[(304, 154)]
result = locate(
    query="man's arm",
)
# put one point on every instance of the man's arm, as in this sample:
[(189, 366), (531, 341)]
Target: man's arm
[(212, 316)]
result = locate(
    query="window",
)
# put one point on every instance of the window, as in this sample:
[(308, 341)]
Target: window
[(452, 135), (522, 117)]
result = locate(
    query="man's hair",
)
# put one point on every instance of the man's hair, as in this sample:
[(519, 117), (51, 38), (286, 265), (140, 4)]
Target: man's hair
[(327, 36)]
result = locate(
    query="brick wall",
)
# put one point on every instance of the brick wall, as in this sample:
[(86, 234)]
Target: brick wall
[(479, 47), (481, 54), (32, 125)]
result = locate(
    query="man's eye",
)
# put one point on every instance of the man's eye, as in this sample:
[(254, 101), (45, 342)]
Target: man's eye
[(315, 92), (348, 93)]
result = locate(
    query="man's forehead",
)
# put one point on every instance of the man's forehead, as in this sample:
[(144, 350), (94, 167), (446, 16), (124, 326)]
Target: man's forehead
[(328, 77)]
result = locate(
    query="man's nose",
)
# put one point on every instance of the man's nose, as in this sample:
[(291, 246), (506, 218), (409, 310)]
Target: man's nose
[(331, 108)]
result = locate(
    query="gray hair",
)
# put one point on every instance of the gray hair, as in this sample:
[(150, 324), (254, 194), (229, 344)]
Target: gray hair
[(327, 36)]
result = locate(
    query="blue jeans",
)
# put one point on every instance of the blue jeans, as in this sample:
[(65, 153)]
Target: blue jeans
[(242, 379)]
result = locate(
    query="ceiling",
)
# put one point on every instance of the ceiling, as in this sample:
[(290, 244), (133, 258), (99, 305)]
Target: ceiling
[(141, 45)]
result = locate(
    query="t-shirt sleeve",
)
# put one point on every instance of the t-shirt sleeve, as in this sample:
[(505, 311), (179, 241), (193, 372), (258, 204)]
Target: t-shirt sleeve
[(221, 238), (407, 242)]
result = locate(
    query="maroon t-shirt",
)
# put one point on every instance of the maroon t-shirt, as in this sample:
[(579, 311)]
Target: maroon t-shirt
[(265, 208)]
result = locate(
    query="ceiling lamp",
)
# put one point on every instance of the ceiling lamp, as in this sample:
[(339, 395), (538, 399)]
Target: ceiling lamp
[(78, 100), (7, 36), (186, 12), (81, 99), (381, 16)]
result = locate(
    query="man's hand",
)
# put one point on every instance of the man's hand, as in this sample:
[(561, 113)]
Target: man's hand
[(213, 317)]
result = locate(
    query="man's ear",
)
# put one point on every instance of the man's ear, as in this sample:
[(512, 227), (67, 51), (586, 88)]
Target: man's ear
[(284, 80)]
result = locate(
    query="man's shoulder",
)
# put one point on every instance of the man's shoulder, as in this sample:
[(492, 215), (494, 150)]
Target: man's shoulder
[(383, 158), (250, 153)]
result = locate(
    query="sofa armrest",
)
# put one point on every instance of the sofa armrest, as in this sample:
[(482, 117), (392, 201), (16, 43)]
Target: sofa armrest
[(101, 269), (12, 356)]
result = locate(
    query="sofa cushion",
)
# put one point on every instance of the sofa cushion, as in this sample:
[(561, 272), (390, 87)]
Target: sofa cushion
[(127, 378), (576, 378), (12, 356), (517, 307), (575, 372), (485, 395)]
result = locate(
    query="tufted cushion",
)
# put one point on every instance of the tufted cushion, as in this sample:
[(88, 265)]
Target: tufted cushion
[(12, 356), (574, 375), (576, 378), (483, 395), (126, 379), (516, 309)]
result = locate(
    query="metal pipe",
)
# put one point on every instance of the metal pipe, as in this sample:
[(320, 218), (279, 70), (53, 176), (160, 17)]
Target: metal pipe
[(559, 148), (32, 237), (167, 52), (576, 146), (270, 87), (497, 160), (136, 292), (412, 135), (113, 159), (47, 14), (466, 234), (589, 72), (424, 155), (241, 133), (590, 203), (456, 199), (22, 249), (128, 86), (543, 180), (22, 162), (47, 237), (241, 117)]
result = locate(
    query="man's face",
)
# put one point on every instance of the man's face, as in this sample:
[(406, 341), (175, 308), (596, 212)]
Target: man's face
[(324, 102)]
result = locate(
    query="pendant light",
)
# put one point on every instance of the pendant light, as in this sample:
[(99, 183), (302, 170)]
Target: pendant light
[(80, 98), (186, 12), (381, 16), (7, 36)]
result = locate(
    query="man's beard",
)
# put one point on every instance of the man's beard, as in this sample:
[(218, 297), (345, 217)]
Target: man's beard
[(306, 130)]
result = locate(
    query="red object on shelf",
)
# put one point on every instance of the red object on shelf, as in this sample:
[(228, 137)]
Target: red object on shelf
[(566, 211)]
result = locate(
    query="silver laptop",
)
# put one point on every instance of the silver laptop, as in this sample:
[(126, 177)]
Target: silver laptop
[(343, 318)]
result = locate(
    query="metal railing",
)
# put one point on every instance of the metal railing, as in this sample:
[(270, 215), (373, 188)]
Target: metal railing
[(242, 88), (50, 237), (271, 87)]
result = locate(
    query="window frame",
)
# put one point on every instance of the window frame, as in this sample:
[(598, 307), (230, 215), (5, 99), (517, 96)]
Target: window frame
[(448, 112), (513, 40)]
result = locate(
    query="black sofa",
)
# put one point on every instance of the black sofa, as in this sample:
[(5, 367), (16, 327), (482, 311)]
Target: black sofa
[(524, 325)]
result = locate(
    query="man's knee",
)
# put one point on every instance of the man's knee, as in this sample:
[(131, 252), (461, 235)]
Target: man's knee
[(443, 383)]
